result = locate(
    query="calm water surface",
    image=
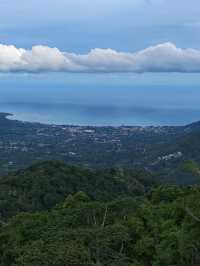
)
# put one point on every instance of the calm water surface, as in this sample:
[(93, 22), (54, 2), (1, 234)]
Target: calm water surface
[(102, 105)]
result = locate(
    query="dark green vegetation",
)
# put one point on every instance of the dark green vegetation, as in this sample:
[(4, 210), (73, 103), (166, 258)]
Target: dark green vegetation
[(53, 214), (161, 150), (43, 185)]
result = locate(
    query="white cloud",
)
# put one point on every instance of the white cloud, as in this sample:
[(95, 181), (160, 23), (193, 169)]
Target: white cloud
[(164, 57)]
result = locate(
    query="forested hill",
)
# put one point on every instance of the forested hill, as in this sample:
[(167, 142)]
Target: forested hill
[(43, 185), (53, 214)]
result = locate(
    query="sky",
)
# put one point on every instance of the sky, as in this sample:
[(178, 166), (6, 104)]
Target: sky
[(81, 25), (99, 36)]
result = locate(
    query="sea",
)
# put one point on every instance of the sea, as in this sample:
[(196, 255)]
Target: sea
[(76, 101)]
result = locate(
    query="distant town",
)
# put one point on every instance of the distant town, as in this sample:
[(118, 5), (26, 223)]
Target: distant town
[(25, 143)]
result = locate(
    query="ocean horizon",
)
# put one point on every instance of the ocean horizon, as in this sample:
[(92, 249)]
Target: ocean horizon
[(100, 115), (102, 102)]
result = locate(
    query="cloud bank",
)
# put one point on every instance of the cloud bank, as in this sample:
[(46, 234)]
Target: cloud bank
[(164, 57)]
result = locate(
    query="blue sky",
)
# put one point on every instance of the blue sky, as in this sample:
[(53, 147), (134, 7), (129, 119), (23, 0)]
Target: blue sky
[(80, 25)]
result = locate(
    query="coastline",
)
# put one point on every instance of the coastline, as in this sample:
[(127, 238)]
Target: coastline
[(11, 117), (100, 115), (6, 115)]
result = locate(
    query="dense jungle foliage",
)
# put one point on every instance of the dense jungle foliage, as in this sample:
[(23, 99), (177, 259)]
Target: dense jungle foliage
[(54, 214)]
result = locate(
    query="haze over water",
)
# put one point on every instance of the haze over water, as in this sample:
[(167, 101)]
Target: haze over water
[(104, 100)]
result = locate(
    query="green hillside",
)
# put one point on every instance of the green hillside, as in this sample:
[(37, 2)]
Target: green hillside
[(54, 214), (45, 184)]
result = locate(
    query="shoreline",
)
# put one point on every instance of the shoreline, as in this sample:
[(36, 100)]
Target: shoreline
[(11, 117), (5, 115)]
